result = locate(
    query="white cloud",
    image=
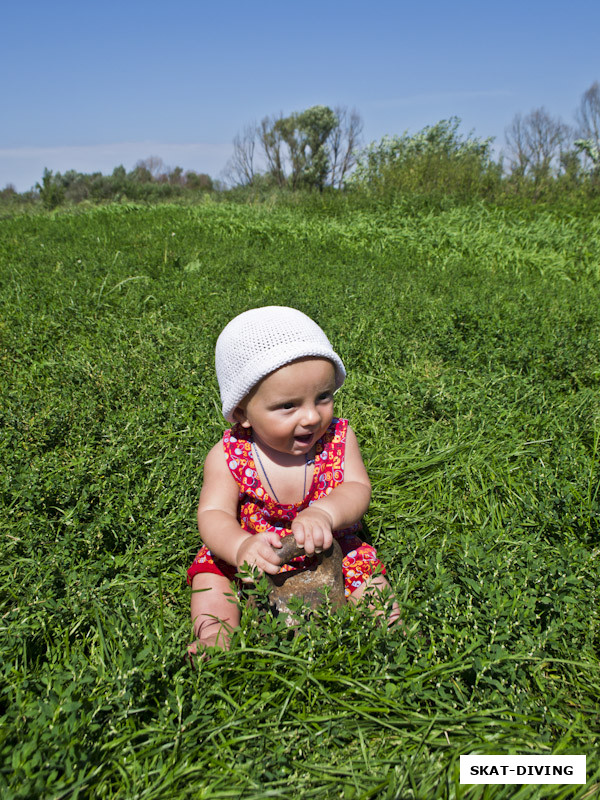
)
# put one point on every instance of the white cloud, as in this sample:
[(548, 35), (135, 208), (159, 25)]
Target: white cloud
[(24, 166)]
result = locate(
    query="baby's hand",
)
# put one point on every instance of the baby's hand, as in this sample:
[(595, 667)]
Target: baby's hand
[(312, 530), (257, 551)]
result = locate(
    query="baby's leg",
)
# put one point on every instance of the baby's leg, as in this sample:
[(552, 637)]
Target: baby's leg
[(215, 611), (371, 588)]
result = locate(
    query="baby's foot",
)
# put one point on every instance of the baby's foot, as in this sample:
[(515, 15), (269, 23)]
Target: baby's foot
[(199, 650), (196, 653)]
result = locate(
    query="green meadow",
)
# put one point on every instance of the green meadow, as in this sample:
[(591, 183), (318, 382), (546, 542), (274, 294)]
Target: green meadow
[(471, 336)]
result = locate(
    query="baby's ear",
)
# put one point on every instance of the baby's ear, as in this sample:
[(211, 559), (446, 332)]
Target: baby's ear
[(239, 415)]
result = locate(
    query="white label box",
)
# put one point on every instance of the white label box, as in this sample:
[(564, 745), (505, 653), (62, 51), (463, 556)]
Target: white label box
[(522, 769)]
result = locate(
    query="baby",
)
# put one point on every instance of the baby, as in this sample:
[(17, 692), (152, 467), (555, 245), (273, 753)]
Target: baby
[(286, 466)]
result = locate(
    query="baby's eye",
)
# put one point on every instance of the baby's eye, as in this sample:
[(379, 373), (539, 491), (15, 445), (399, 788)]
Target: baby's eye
[(287, 406), (324, 397)]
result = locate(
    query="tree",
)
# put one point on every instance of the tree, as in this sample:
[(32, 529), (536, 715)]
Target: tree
[(198, 181), (51, 190), (537, 144), (344, 141), (119, 174), (306, 149), (175, 176), (140, 173), (588, 115), (591, 150), (154, 165), (270, 134), (241, 169), (315, 126), (588, 131), (295, 147)]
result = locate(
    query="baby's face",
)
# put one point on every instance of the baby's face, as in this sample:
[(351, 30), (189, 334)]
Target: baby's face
[(292, 407)]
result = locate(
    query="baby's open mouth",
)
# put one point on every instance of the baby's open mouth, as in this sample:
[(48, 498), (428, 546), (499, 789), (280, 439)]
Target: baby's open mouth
[(304, 438)]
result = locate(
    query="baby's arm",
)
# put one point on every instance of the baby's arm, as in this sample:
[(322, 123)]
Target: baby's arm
[(218, 524), (313, 528)]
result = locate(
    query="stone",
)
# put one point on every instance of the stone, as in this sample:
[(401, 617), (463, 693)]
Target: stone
[(311, 585)]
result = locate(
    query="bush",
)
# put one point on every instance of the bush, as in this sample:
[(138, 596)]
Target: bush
[(436, 161)]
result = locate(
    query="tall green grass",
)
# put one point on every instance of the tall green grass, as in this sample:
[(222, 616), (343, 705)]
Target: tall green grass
[(471, 338)]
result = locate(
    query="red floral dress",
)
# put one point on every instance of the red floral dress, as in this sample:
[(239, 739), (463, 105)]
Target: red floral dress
[(258, 512)]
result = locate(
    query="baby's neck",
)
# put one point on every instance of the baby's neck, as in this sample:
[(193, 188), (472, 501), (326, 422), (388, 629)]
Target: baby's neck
[(279, 458), (283, 474)]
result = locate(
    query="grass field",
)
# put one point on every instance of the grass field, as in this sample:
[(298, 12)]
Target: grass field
[(472, 342)]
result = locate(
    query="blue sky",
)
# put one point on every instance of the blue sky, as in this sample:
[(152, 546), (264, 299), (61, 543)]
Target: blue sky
[(90, 85)]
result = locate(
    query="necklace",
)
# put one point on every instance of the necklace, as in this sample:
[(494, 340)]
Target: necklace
[(307, 461)]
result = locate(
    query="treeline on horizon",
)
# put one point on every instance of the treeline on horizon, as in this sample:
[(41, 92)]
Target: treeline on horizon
[(320, 150)]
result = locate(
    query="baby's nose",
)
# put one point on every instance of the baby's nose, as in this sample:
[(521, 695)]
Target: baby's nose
[(310, 416)]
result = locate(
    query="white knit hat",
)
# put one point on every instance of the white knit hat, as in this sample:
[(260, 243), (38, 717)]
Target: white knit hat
[(261, 340)]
